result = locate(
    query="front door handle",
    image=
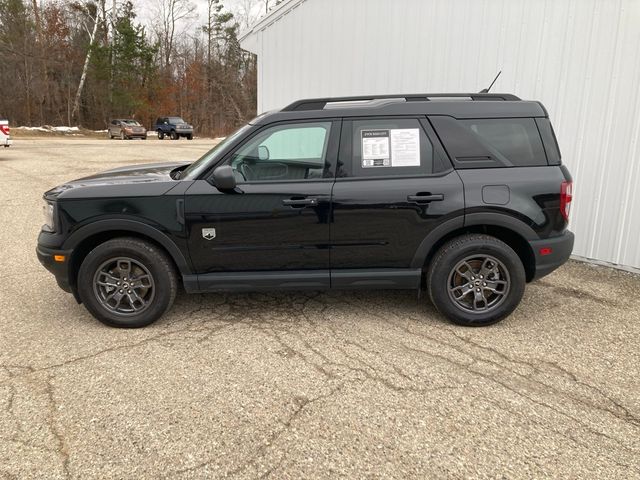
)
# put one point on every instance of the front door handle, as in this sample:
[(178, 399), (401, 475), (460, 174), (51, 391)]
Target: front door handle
[(425, 198), (300, 202)]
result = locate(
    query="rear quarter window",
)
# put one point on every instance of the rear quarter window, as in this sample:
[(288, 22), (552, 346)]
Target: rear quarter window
[(491, 142), (516, 140)]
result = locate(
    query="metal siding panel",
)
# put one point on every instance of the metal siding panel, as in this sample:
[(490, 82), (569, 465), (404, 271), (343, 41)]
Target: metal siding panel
[(579, 57)]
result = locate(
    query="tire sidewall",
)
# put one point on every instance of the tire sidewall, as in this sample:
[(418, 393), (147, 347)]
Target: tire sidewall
[(455, 252), (147, 256)]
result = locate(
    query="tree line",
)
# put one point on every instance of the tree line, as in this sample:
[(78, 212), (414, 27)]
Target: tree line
[(86, 62)]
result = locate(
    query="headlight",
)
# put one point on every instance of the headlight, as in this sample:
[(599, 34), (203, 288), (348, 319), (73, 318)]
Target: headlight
[(48, 210)]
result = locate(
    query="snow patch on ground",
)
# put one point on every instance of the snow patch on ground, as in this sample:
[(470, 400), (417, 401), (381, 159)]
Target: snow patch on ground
[(58, 129)]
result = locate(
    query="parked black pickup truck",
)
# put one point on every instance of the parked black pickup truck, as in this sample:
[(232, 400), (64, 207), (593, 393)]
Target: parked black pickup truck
[(464, 197)]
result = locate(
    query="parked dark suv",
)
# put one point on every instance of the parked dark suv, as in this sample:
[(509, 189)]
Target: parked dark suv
[(173, 127), (462, 195)]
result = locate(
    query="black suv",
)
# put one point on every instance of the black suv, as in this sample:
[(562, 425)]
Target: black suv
[(463, 195)]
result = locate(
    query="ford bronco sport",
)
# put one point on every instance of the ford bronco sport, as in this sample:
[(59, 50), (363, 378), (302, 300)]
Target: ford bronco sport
[(463, 195)]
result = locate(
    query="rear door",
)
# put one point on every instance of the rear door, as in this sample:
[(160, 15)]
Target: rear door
[(394, 186), (278, 217)]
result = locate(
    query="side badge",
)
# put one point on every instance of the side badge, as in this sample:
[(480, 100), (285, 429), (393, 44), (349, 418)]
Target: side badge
[(209, 233)]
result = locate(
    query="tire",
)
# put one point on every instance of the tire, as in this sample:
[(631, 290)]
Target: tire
[(190, 136), (174, 135), (160, 135), (151, 296), (486, 292)]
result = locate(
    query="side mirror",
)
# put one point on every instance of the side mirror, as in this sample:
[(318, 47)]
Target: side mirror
[(263, 153), (223, 178)]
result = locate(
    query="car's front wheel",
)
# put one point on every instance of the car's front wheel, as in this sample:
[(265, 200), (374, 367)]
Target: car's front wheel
[(127, 282), (476, 280), (174, 135)]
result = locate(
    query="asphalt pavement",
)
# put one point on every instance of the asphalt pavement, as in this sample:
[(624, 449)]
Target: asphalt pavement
[(303, 385)]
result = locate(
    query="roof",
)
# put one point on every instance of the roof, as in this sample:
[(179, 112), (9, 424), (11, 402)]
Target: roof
[(460, 106), (273, 16)]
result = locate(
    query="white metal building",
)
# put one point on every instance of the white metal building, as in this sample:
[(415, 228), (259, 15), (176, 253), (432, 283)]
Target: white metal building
[(581, 58)]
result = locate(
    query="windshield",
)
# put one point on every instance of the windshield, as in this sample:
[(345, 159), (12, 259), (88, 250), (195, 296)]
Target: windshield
[(176, 120), (200, 165), (131, 122)]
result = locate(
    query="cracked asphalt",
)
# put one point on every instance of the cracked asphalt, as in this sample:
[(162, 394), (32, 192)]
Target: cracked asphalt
[(314, 385)]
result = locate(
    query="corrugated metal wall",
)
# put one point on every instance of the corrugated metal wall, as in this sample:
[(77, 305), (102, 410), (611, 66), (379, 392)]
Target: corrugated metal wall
[(581, 58)]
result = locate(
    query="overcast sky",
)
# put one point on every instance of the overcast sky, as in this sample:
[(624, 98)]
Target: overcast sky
[(147, 10)]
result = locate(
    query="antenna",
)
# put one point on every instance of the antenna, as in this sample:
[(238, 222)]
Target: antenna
[(486, 90)]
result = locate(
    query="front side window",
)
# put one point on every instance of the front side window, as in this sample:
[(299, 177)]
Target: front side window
[(284, 152), (388, 147)]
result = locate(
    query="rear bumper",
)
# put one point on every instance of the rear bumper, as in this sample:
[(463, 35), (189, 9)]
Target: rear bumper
[(6, 142), (551, 253)]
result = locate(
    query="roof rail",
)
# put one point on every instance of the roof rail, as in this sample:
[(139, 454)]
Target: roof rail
[(320, 103)]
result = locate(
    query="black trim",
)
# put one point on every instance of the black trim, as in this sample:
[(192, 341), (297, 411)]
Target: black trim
[(320, 103), (381, 278), (77, 237), (371, 278), (434, 236), (257, 281), (561, 248), (501, 220)]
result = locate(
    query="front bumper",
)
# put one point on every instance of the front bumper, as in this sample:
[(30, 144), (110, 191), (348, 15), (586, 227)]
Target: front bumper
[(60, 269), (551, 253)]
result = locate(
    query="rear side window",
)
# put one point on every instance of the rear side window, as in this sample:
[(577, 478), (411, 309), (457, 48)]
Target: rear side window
[(516, 140), (387, 147)]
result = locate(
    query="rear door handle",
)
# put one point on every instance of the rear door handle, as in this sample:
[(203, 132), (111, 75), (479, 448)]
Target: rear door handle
[(300, 202), (425, 198)]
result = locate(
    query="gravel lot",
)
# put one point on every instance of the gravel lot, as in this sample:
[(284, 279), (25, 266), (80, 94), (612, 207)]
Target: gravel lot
[(317, 385)]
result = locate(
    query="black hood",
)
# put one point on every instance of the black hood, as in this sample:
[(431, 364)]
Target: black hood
[(135, 176)]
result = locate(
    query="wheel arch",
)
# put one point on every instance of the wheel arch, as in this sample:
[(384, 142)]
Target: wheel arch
[(511, 231), (87, 238)]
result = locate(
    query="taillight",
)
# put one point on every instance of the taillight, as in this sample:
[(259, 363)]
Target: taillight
[(5, 129), (566, 195)]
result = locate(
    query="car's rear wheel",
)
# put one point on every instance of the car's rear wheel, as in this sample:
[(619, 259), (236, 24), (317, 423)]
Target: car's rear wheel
[(190, 136), (476, 280), (174, 135), (160, 135), (127, 283)]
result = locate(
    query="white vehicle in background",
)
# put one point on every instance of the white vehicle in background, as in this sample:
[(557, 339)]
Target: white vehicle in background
[(5, 137)]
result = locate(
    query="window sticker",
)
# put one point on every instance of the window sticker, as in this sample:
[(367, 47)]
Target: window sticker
[(375, 148), (405, 147)]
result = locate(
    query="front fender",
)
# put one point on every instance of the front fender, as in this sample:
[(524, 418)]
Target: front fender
[(124, 225)]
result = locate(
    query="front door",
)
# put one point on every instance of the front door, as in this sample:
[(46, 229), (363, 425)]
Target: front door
[(394, 186), (278, 217)]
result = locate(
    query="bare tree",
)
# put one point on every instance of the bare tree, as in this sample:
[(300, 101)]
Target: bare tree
[(247, 12), (87, 59), (170, 13)]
